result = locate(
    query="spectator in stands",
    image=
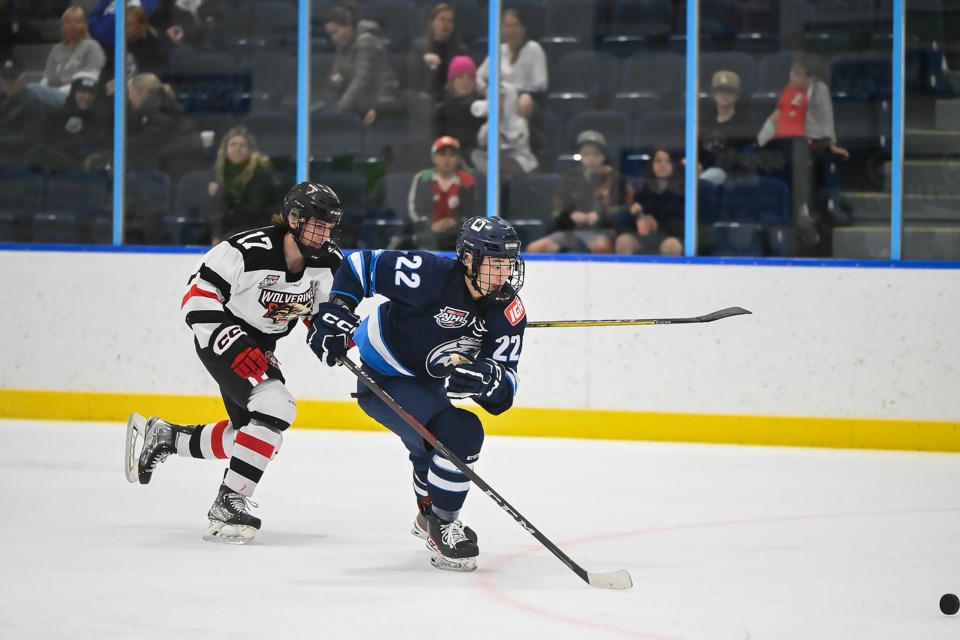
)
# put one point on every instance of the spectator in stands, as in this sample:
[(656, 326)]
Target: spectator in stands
[(430, 56), (243, 186), (156, 123), (516, 157), (440, 199), (102, 20), (76, 54), (656, 225), (726, 129), (22, 115), (590, 196), (804, 120), (454, 115), (150, 48), (523, 63), (362, 80), (81, 130), (191, 22)]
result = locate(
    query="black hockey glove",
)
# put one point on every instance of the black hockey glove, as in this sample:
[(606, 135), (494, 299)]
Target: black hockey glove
[(330, 331), (480, 378), (244, 355)]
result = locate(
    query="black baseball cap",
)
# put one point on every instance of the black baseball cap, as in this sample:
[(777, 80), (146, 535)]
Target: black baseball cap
[(10, 69)]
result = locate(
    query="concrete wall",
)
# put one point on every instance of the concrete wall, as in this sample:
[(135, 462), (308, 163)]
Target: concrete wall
[(823, 342)]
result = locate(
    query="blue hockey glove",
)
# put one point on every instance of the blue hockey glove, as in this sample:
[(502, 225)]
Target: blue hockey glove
[(480, 378), (330, 331)]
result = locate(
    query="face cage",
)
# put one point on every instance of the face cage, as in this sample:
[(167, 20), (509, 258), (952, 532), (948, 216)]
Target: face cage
[(308, 250), (509, 289)]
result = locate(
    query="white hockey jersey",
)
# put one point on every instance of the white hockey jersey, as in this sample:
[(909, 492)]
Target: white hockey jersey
[(245, 281)]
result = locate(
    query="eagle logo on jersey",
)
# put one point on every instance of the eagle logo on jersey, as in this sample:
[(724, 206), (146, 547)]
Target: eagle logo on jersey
[(440, 361), (450, 318)]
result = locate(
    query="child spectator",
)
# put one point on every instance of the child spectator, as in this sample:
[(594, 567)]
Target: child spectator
[(440, 199), (82, 129), (803, 120), (76, 54), (523, 62), (516, 157), (657, 215), (454, 115), (22, 115), (243, 186), (362, 80), (725, 130), (589, 197)]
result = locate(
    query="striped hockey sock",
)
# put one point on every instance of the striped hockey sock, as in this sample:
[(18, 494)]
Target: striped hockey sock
[(447, 486), (256, 445), (207, 441)]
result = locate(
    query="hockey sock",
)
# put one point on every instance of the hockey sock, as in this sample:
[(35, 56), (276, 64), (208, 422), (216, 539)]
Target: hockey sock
[(447, 486), (207, 441), (255, 446)]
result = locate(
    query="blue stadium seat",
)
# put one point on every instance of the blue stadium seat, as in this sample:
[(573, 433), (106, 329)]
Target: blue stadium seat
[(764, 201), (615, 127), (77, 192), (396, 19), (9, 225), (737, 239), (386, 133), (193, 200), (335, 133), (861, 76), (148, 199), (708, 202), (21, 192), (531, 197), (276, 132), (634, 23), (56, 228), (593, 74), (577, 19), (262, 23), (395, 188), (182, 230), (654, 79), (274, 79), (662, 129), (350, 187)]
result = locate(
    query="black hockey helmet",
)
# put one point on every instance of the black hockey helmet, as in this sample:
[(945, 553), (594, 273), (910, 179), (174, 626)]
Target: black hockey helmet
[(492, 237), (307, 200)]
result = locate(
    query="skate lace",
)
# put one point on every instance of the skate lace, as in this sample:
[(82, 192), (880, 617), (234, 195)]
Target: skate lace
[(240, 503), (452, 533), (160, 457)]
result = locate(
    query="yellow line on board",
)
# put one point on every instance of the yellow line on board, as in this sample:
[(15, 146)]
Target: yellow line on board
[(845, 433)]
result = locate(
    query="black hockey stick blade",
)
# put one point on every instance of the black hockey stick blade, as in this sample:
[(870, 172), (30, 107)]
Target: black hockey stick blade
[(710, 317), (612, 580)]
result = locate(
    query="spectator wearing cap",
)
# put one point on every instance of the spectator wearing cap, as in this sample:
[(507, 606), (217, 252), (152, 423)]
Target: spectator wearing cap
[(77, 54), (83, 128), (523, 62), (440, 199), (454, 115), (726, 131), (590, 196), (22, 115)]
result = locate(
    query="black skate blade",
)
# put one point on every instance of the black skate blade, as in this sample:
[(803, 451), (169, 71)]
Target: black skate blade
[(612, 580), (136, 428)]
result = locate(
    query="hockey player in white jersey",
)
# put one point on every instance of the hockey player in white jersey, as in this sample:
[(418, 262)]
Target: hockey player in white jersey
[(247, 293)]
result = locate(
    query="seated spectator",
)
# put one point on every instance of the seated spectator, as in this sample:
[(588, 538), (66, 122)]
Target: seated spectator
[(76, 54), (516, 157), (441, 198), (103, 20), (803, 119), (150, 48), (156, 123), (22, 115), (191, 22), (362, 80), (430, 56), (523, 63), (454, 115), (725, 130), (243, 186), (656, 218), (589, 198), (82, 129)]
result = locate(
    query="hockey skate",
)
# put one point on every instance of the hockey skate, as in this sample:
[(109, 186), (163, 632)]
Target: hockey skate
[(452, 549), (230, 519), (159, 441), (419, 528)]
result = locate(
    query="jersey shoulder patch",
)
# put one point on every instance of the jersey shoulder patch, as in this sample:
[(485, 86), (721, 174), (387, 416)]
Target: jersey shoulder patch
[(515, 311)]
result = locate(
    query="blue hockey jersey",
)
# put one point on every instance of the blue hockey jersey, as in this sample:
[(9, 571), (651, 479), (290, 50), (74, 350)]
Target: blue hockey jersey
[(429, 316)]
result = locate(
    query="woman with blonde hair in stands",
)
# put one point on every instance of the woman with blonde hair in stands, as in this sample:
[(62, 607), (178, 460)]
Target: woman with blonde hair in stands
[(77, 54), (242, 184)]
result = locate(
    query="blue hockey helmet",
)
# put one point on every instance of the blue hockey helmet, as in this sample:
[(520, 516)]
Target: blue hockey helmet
[(491, 237), (307, 200)]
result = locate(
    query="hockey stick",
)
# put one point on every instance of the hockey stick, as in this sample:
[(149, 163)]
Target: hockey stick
[(710, 317), (612, 580)]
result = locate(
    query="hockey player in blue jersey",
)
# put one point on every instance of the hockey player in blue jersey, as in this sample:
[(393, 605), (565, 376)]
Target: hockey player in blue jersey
[(439, 312)]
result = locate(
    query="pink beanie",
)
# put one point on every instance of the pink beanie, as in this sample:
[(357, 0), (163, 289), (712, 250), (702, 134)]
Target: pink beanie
[(460, 64)]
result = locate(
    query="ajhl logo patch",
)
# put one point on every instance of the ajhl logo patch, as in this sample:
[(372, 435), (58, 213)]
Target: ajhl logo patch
[(269, 281), (450, 318)]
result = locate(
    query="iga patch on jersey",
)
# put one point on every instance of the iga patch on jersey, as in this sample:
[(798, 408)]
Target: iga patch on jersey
[(515, 311), (450, 318)]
